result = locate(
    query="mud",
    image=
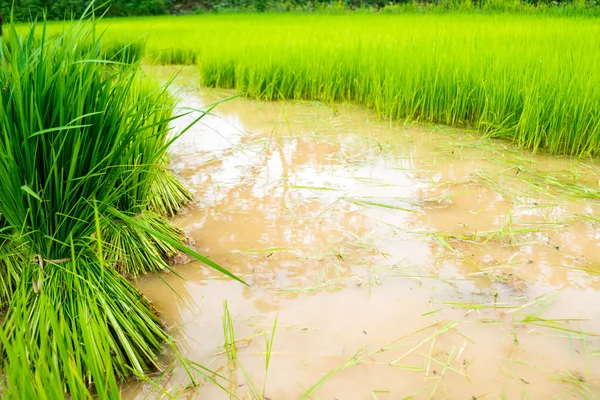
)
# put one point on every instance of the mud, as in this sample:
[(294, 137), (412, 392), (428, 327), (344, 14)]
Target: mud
[(399, 260)]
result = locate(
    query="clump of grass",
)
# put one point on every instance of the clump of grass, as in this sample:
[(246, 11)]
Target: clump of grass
[(64, 136), (168, 195), (176, 55), (132, 249), (124, 51), (162, 192), (11, 258), (83, 320), (76, 152)]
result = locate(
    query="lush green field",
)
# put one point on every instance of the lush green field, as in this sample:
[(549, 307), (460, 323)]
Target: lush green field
[(531, 79)]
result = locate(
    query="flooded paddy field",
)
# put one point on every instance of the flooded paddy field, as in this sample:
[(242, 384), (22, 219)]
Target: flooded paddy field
[(382, 261)]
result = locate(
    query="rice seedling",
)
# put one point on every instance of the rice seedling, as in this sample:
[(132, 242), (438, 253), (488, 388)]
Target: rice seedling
[(577, 385), (441, 72), (164, 193), (574, 180), (353, 360), (268, 352), (124, 52), (168, 195), (231, 351), (11, 258), (179, 56), (71, 160), (84, 313), (134, 250), (229, 334), (521, 78)]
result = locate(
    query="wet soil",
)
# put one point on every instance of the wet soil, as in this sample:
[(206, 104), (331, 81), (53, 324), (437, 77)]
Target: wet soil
[(399, 261)]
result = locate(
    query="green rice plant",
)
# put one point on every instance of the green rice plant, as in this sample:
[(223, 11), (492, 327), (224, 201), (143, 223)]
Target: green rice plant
[(70, 159), (63, 139), (133, 250), (124, 51), (168, 195), (11, 258), (158, 189), (83, 321), (268, 353), (352, 361), (179, 56), (524, 78), (466, 70), (228, 334)]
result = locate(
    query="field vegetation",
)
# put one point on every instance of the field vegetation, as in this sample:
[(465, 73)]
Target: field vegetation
[(83, 143), (85, 184), (59, 9), (524, 78)]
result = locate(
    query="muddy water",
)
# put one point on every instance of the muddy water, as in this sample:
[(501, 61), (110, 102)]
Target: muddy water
[(397, 261)]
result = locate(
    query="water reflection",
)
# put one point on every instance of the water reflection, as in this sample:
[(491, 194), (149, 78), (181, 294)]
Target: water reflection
[(361, 235)]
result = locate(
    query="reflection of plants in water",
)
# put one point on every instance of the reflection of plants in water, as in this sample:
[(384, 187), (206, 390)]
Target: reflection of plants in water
[(542, 200), (442, 351)]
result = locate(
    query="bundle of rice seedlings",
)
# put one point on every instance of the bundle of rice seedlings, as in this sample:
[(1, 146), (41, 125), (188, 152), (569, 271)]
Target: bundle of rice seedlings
[(134, 250), (168, 195), (67, 124), (82, 321)]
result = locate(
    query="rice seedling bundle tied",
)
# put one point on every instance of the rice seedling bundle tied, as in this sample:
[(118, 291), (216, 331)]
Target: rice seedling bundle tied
[(82, 148)]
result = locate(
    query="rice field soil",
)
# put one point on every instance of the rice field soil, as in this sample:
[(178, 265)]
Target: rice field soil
[(528, 79), (384, 262)]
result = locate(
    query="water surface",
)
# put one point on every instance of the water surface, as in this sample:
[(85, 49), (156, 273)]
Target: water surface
[(399, 260)]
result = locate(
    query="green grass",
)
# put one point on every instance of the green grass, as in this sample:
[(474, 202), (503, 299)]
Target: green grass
[(82, 139), (132, 249), (11, 259), (521, 78), (525, 78), (67, 128)]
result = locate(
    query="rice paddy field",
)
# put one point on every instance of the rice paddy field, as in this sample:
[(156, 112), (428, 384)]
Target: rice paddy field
[(398, 206), (530, 79)]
